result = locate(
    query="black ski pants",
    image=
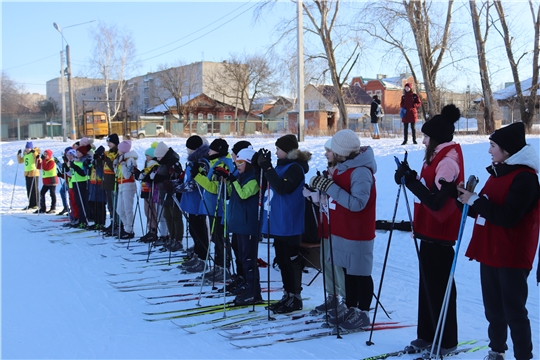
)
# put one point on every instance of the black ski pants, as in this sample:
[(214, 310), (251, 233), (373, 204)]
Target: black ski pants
[(219, 240), (290, 263), (435, 264), (32, 190), (199, 232), (359, 291), (52, 191), (406, 131), (247, 254), (505, 292)]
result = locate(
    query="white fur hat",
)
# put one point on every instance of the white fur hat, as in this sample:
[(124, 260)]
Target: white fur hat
[(344, 142)]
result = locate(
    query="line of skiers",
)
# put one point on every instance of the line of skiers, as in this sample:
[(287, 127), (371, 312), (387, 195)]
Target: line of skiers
[(242, 193)]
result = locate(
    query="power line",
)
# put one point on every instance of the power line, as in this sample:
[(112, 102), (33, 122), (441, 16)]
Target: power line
[(33, 62)]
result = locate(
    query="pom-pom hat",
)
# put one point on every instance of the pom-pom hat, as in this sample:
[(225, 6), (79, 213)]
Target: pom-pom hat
[(29, 145), (511, 138), (345, 142), (150, 151), (441, 127)]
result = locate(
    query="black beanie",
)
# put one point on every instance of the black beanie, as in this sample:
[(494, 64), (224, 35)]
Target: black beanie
[(511, 138), (242, 144), (220, 146), (287, 143), (194, 142), (441, 127), (114, 139)]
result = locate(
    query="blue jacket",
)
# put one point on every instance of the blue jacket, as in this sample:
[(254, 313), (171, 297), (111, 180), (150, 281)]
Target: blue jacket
[(242, 216)]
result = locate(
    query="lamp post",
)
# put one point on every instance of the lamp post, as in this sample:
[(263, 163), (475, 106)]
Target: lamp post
[(62, 89)]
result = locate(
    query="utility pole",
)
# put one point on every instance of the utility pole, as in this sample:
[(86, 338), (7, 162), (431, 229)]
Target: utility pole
[(71, 104), (62, 93), (300, 40)]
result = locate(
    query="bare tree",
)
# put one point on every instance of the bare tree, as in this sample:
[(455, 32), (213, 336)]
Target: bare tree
[(527, 105), (242, 79), (114, 58), (178, 82), (431, 39), (482, 62), (340, 47), (12, 96)]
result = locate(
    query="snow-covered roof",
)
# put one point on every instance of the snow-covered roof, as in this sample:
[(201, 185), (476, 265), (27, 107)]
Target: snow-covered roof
[(393, 82), (171, 102), (510, 91), (356, 116)]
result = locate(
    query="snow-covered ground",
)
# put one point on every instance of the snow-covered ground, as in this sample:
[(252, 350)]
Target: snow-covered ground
[(58, 302)]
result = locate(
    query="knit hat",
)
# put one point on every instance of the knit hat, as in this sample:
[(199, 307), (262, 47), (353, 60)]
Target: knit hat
[(409, 85), (245, 154), (220, 146), (511, 138), (48, 153), (67, 149), (441, 127), (287, 143), (151, 149), (100, 151), (344, 142), (114, 139), (84, 141), (124, 146), (194, 142), (328, 144), (29, 145), (242, 144), (83, 150), (161, 150), (71, 152)]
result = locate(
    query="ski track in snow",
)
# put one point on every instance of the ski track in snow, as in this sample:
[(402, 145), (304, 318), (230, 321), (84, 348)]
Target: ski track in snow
[(57, 302)]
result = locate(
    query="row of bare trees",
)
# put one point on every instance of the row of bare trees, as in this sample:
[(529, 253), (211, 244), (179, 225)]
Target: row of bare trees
[(422, 33)]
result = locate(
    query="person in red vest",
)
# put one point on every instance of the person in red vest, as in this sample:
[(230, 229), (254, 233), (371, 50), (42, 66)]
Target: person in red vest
[(436, 224), (410, 102), (353, 198), (50, 180), (505, 237)]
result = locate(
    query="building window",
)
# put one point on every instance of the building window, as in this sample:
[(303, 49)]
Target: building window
[(200, 116), (190, 116), (210, 117), (227, 117)]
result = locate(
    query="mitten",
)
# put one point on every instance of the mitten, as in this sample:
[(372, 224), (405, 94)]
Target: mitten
[(231, 177), (404, 172), (321, 183), (136, 172), (194, 170), (19, 152), (449, 187)]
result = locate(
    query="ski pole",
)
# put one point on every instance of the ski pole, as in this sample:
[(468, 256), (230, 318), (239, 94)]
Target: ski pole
[(369, 342), (13, 192), (268, 244)]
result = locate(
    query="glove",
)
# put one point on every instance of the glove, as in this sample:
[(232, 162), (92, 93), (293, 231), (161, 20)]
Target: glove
[(168, 186), (32, 151), (321, 183), (99, 151), (449, 187), (43, 156), (19, 152), (231, 178), (221, 173), (404, 171), (87, 162), (195, 170), (136, 172), (264, 159), (177, 168)]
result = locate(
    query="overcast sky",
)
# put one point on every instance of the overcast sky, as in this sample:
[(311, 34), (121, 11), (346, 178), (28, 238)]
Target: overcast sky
[(165, 32)]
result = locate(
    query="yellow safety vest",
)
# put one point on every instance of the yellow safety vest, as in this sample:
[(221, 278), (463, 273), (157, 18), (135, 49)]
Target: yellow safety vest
[(29, 162), (76, 177), (50, 173)]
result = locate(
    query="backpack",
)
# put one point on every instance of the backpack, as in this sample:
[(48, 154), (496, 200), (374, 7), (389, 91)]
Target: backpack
[(379, 112)]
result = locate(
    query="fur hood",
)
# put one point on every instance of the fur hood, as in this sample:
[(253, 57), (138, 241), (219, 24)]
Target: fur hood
[(301, 157), (199, 153)]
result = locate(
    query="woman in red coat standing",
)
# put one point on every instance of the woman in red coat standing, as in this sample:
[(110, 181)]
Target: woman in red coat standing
[(505, 237), (410, 102)]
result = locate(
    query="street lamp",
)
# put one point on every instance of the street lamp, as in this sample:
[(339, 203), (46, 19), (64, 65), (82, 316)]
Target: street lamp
[(62, 90)]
